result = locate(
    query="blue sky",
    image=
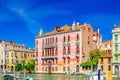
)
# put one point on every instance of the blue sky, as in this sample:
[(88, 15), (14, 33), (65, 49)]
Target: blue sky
[(21, 20)]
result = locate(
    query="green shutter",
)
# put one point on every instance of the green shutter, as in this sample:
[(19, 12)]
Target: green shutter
[(116, 57), (116, 48), (116, 37)]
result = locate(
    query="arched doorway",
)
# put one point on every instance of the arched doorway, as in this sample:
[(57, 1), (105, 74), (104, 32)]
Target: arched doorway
[(77, 68), (116, 69)]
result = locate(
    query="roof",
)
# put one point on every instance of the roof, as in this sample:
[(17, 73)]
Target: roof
[(65, 28), (16, 50), (11, 43)]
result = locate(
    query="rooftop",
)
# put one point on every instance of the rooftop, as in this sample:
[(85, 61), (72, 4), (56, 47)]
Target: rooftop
[(65, 28)]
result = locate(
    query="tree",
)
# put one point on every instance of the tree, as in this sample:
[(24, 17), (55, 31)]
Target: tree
[(30, 65), (94, 55), (18, 67)]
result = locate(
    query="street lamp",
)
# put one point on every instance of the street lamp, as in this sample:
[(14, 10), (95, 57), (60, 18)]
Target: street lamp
[(14, 67)]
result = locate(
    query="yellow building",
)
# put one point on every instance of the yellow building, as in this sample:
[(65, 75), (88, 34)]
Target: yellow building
[(14, 57), (105, 61)]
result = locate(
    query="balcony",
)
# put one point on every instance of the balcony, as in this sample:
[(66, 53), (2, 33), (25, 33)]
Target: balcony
[(117, 53), (68, 55), (50, 45), (77, 55), (116, 30), (116, 41), (116, 62), (64, 44), (50, 56)]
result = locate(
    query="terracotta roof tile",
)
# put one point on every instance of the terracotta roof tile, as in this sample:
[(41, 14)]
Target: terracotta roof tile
[(64, 29)]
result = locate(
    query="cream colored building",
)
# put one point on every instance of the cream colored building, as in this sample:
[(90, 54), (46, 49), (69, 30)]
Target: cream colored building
[(6, 46), (14, 57)]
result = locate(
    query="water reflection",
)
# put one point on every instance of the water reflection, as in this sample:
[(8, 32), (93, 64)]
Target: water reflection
[(58, 77)]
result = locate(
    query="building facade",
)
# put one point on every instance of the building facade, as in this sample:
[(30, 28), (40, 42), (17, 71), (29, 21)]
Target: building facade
[(14, 57), (107, 45), (63, 49), (105, 61), (6, 46), (116, 49)]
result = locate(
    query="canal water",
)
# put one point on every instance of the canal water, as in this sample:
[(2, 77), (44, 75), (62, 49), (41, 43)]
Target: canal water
[(57, 77)]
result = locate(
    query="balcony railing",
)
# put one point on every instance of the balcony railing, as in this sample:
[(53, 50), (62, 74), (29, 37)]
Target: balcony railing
[(50, 45), (77, 54), (117, 53), (50, 56), (116, 61)]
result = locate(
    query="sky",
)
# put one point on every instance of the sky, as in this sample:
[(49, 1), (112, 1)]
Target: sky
[(21, 20)]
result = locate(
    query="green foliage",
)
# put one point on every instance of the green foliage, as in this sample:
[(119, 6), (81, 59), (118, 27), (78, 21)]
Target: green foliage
[(94, 55), (29, 66), (18, 67)]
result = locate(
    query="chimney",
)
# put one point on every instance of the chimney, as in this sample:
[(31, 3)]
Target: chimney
[(57, 28), (85, 24), (77, 23), (115, 25), (41, 32), (73, 25)]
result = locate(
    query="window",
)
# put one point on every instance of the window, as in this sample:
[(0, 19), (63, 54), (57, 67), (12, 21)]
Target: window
[(68, 69), (64, 60), (42, 52), (116, 37), (56, 68), (63, 68), (77, 59), (68, 49), (77, 49), (88, 40), (50, 40), (109, 60), (102, 68), (68, 60), (52, 68), (46, 40), (68, 38), (109, 68), (64, 39), (12, 61), (64, 50), (89, 29), (101, 60), (116, 57), (42, 68), (56, 39), (53, 40), (56, 51), (77, 36), (116, 48)]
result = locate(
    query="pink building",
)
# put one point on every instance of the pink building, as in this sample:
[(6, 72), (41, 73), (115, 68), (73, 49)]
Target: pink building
[(63, 49)]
